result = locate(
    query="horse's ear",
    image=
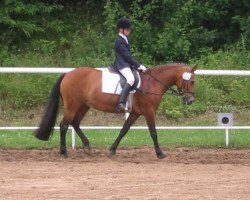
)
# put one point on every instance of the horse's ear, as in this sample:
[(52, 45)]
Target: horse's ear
[(194, 67)]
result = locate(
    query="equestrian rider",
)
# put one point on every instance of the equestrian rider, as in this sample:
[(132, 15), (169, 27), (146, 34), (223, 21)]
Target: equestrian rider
[(124, 61)]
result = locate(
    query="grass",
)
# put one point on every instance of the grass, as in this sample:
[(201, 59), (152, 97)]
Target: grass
[(135, 138)]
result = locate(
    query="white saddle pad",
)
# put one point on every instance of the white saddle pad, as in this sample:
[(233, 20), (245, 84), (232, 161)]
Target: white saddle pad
[(110, 82)]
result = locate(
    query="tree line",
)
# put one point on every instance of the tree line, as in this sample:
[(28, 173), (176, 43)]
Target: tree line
[(215, 34), (168, 30)]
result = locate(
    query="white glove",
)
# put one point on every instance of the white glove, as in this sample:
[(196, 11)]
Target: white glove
[(142, 68)]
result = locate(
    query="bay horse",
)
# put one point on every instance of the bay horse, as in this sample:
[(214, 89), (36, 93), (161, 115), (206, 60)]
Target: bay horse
[(80, 90)]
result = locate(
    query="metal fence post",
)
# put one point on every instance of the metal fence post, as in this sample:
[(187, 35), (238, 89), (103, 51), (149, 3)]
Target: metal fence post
[(227, 137), (73, 138)]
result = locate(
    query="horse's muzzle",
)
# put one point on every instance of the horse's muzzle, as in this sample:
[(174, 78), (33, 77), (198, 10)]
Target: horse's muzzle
[(187, 100)]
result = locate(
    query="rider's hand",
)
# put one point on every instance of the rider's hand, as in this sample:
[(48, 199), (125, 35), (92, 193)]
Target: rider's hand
[(142, 68)]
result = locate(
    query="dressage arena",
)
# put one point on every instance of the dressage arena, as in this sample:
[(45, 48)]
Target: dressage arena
[(135, 173)]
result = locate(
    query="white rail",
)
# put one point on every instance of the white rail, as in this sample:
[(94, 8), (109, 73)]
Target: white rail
[(223, 72), (38, 70), (73, 142), (51, 70)]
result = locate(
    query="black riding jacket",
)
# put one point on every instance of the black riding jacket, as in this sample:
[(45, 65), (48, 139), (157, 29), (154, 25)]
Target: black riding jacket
[(123, 57)]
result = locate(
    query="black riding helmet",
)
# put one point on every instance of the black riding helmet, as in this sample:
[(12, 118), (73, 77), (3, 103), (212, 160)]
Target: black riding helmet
[(123, 23)]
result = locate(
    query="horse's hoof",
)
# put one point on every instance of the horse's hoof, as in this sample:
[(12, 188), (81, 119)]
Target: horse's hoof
[(161, 156), (64, 155), (112, 154), (87, 150)]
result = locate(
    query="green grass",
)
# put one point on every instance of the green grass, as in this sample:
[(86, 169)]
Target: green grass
[(135, 138)]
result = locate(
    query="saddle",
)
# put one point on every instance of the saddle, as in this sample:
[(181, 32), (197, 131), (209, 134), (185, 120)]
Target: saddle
[(113, 82), (123, 81)]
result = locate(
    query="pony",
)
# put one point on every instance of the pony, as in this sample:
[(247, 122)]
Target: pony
[(80, 90)]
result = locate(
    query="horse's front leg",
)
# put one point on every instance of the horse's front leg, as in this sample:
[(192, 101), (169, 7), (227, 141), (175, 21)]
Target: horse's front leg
[(150, 118), (128, 123)]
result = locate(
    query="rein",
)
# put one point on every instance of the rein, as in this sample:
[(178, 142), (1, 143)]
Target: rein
[(169, 89), (173, 91)]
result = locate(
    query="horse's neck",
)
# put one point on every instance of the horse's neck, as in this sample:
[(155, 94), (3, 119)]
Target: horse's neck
[(165, 75)]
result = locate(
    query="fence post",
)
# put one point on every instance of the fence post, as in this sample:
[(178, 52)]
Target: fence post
[(73, 138), (227, 137)]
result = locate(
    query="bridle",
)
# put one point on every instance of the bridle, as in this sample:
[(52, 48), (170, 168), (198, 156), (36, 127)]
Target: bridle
[(185, 88), (179, 92)]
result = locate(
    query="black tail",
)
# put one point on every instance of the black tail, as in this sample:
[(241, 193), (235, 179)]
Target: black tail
[(49, 117)]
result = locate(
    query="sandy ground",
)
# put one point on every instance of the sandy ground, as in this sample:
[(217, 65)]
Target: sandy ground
[(135, 173)]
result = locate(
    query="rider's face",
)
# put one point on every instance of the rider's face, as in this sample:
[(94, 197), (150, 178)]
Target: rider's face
[(126, 31)]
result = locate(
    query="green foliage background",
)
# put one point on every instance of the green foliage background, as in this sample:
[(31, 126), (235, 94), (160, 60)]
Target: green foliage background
[(213, 34)]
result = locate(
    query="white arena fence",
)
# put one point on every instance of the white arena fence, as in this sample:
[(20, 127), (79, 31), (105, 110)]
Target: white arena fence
[(50, 70), (73, 141)]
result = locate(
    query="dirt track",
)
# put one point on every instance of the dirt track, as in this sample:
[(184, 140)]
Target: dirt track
[(133, 174)]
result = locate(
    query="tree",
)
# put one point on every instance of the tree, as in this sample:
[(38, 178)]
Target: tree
[(23, 20)]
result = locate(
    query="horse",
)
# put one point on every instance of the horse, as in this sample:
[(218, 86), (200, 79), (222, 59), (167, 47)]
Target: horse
[(80, 90)]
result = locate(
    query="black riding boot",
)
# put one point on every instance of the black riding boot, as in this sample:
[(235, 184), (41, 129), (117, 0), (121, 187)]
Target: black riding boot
[(123, 97)]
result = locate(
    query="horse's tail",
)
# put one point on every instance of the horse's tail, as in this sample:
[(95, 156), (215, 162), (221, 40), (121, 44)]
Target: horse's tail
[(49, 117)]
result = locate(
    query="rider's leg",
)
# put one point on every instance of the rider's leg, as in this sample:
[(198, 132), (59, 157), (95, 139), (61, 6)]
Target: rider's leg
[(127, 73)]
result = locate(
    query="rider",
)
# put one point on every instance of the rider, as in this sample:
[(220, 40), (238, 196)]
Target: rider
[(124, 61)]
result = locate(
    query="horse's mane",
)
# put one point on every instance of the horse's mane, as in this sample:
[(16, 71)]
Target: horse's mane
[(169, 66)]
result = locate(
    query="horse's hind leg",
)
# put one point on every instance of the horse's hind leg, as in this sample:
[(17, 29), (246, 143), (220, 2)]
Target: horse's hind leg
[(76, 125), (63, 130), (69, 115)]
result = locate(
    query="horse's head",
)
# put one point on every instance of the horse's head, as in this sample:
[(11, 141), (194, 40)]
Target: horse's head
[(185, 83)]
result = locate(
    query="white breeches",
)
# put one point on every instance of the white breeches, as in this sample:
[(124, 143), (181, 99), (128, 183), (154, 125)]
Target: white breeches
[(129, 76)]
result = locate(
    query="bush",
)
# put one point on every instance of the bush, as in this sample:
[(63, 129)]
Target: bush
[(212, 34)]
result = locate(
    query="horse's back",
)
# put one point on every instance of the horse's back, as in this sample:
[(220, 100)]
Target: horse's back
[(80, 72)]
